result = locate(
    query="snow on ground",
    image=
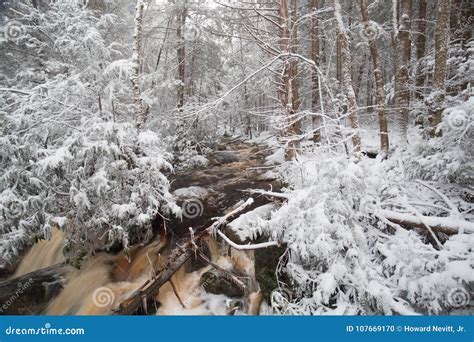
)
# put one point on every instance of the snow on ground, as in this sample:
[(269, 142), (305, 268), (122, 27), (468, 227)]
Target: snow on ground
[(278, 157)]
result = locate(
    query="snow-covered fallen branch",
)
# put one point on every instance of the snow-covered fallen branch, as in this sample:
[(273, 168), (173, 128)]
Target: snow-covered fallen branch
[(176, 259), (248, 247), (447, 225), (219, 221), (269, 194)]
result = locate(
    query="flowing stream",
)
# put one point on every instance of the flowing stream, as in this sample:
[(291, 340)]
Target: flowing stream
[(106, 280)]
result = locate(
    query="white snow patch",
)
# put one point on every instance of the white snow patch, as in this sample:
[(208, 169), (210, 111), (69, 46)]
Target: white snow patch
[(248, 225)]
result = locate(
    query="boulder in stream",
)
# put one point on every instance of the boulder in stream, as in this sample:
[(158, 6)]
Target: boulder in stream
[(215, 283)]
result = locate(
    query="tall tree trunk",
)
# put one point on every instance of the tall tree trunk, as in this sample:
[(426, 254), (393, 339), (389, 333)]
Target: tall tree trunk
[(290, 98), (141, 111), (181, 55), (402, 78), (248, 120), (314, 6), (360, 76), (338, 64), (346, 75), (283, 77), (441, 57), (378, 76), (160, 52), (420, 49), (295, 128), (394, 38)]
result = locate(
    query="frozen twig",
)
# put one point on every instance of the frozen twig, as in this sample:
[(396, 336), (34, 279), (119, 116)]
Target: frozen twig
[(269, 193), (422, 219), (454, 209), (248, 247), (219, 221)]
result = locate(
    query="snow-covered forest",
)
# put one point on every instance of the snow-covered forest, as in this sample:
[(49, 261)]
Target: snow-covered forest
[(288, 157)]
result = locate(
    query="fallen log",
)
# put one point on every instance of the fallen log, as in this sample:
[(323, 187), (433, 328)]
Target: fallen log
[(175, 261), (29, 294), (447, 225)]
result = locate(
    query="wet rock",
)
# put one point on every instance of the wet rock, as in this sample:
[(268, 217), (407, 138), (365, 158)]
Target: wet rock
[(223, 157), (268, 176), (221, 147), (7, 268), (35, 289), (191, 192), (214, 283), (196, 262), (258, 152), (266, 261)]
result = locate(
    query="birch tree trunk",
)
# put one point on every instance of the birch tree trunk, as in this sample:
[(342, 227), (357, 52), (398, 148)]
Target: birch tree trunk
[(141, 111), (441, 57), (402, 79), (346, 75), (378, 76)]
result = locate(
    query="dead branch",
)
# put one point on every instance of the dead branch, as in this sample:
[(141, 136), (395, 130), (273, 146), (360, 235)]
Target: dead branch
[(176, 260), (447, 225), (223, 272), (175, 290), (248, 247)]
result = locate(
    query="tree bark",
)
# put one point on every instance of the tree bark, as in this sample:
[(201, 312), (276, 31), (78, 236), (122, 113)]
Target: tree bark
[(346, 75), (402, 78), (290, 96), (314, 6), (141, 111), (378, 76), (441, 57), (420, 49), (181, 55)]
